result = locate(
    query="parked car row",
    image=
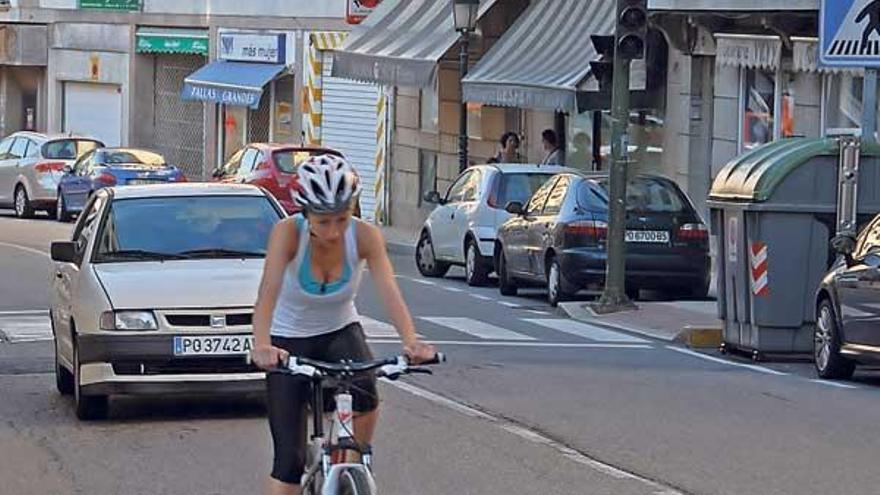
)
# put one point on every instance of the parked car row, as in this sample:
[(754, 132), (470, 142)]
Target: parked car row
[(59, 173), (546, 226)]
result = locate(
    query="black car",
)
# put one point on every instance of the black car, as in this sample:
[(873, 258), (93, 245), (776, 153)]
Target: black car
[(847, 329), (558, 239)]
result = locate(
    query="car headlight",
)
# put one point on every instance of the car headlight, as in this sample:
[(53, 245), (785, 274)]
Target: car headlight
[(129, 320)]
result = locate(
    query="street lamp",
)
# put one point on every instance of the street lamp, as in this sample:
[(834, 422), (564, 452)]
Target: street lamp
[(464, 16)]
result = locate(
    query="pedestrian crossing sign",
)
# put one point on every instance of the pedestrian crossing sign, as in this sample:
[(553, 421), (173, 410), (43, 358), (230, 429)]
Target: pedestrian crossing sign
[(849, 33)]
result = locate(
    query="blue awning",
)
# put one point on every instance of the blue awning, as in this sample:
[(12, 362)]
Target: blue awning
[(230, 83)]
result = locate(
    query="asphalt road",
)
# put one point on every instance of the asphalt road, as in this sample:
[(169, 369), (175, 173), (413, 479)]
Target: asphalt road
[(530, 403)]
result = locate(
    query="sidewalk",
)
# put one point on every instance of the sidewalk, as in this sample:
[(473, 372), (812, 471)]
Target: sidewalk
[(399, 240), (692, 322)]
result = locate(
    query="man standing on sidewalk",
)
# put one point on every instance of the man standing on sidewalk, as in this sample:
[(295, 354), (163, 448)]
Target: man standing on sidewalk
[(555, 155)]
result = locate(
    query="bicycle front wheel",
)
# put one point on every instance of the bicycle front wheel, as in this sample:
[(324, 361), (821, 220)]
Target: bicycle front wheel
[(355, 482)]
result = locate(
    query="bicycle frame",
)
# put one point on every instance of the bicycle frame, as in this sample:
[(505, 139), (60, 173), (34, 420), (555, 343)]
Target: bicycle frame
[(323, 447)]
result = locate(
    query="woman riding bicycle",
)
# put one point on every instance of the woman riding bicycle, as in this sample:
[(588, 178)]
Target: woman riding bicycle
[(306, 307)]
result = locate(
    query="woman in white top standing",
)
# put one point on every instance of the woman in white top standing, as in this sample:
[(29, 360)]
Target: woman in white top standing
[(306, 307)]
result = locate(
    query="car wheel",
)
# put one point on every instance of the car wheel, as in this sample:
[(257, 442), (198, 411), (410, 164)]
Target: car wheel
[(88, 407), (506, 285), (63, 376), (476, 270), (61, 213), (826, 346), (556, 290), (425, 261), (23, 208)]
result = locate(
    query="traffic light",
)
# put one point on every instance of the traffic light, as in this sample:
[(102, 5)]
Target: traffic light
[(603, 68), (632, 28)]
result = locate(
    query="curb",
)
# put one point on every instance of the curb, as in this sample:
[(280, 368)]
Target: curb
[(692, 336), (400, 248)]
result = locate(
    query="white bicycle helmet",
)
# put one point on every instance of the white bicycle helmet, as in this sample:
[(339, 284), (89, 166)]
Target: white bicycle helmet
[(327, 184)]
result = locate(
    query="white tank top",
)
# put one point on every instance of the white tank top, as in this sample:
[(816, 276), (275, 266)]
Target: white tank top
[(306, 307)]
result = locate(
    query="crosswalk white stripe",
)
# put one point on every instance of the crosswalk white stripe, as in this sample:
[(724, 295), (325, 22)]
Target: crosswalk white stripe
[(509, 343), (477, 328), (377, 329), (509, 304), (586, 331), (25, 328)]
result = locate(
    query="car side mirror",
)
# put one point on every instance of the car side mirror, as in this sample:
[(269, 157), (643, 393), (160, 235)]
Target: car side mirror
[(433, 197), (844, 245), (63, 251), (514, 208), (68, 169)]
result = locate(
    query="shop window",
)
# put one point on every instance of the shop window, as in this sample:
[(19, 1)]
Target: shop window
[(429, 113), (234, 125), (759, 91), (475, 120), (427, 175), (843, 103), (283, 111), (646, 137)]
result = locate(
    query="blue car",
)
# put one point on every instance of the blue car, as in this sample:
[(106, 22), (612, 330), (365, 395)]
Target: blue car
[(106, 167)]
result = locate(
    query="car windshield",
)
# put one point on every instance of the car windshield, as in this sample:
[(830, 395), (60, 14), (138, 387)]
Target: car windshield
[(287, 160), (520, 187), (149, 229), (132, 157), (651, 195), (69, 149)]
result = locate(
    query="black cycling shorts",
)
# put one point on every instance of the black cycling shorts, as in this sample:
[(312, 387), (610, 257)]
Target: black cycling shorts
[(288, 396)]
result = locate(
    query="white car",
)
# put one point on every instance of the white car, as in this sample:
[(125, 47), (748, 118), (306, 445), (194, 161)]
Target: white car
[(31, 166), (154, 294), (461, 230)]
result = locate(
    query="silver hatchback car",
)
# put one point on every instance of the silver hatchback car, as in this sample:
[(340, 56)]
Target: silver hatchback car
[(154, 293), (31, 167)]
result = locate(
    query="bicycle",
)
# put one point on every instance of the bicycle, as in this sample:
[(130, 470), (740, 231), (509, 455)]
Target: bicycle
[(326, 473)]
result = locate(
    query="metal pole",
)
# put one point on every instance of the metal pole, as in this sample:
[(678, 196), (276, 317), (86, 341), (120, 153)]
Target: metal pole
[(869, 108), (614, 296), (462, 125)]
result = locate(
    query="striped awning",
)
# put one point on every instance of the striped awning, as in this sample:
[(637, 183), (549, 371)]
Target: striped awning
[(748, 51), (400, 43), (543, 58), (328, 40)]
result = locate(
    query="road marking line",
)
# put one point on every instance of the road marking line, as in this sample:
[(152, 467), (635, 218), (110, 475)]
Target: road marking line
[(537, 312), (531, 436), (835, 384), (506, 343), (25, 312), (420, 281), (509, 304), (586, 331), (477, 328), (451, 289), (481, 297), (752, 367), (25, 248)]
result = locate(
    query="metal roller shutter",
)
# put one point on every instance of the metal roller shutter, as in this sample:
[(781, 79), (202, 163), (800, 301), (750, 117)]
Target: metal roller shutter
[(349, 126), (180, 134)]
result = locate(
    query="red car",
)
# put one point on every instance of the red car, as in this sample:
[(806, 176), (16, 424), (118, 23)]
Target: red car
[(270, 166)]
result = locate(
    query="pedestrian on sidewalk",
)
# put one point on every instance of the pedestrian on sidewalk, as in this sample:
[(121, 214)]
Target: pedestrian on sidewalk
[(555, 155), (509, 150)]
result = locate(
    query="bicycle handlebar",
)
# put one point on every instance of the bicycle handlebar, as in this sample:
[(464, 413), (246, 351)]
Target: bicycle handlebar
[(387, 367)]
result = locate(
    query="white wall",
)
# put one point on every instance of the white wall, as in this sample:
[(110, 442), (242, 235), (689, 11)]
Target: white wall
[(290, 8)]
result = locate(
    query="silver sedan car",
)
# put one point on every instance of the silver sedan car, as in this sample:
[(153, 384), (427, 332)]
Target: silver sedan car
[(31, 166), (154, 293)]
